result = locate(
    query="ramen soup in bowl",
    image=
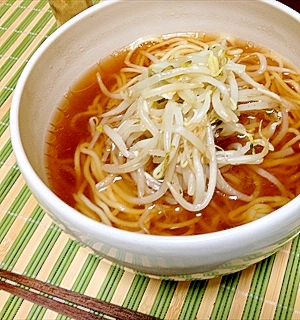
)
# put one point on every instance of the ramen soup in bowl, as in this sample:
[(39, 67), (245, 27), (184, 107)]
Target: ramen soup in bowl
[(167, 139)]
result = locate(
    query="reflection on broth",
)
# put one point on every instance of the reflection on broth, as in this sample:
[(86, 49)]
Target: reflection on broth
[(179, 135)]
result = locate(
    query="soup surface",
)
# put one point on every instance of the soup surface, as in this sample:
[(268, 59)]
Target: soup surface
[(179, 135)]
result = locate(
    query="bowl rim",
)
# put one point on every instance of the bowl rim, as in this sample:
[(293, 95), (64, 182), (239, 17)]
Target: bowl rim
[(273, 220)]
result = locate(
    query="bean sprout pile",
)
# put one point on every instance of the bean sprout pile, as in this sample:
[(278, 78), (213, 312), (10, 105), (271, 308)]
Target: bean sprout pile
[(170, 114)]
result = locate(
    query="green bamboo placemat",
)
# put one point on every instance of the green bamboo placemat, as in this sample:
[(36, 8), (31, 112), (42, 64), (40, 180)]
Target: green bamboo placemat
[(32, 244)]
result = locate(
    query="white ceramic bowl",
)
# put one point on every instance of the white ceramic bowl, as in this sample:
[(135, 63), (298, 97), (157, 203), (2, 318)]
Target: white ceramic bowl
[(96, 33)]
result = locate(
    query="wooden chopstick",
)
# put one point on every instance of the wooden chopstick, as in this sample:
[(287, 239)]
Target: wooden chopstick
[(58, 299)]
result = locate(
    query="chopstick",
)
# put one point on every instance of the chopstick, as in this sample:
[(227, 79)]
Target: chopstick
[(63, 301)]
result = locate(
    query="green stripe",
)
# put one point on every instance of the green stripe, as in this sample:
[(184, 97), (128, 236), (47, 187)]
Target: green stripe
[(5, 7), (13, 211), (258, 288), (51, 30), (136, 292), (4, 94), (110, 283), (4, 123), (9, 180), (63, 317), (290, 285), (23, 238), (163, 298), (5, 152), (10, 308), (193, 299), (225, 296), (86, 273), (9, 63)]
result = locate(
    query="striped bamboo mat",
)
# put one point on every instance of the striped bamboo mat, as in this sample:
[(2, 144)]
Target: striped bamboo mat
[(32, 244)]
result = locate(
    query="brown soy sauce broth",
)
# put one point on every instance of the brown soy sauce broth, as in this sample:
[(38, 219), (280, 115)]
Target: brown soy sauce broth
[(65, 135)]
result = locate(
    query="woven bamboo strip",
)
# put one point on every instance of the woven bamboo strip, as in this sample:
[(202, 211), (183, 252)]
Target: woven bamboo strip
[(149, 296), (49, 314), (5, 245), (273, 290), (5, 137), (177, 300), (3, 298), (24, 310), (241, 294), (209, 299), (122, 289), (296, 312), (97, 279)]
